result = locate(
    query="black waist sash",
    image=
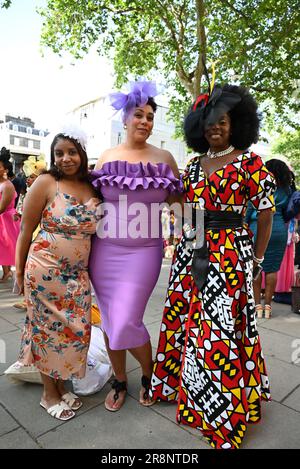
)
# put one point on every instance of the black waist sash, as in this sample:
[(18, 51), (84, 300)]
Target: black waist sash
[(213, 220)]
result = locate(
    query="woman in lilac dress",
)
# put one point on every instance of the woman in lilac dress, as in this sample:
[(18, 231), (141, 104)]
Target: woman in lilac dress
[(133, 179)]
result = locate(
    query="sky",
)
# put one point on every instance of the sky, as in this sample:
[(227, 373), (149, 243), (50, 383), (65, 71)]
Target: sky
[(43, 88)]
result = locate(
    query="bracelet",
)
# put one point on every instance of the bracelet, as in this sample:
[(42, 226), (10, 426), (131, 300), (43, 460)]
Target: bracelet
[(258, 260)]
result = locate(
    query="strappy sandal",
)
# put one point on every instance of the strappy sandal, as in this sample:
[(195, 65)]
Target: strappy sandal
[(70, 398), (118, 386), (6, 277), (259, 311), (57, 410), (268, 311), (22, 305), (146, 383)]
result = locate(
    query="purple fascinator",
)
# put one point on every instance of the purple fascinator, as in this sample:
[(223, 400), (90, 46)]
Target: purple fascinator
[(140, 92)]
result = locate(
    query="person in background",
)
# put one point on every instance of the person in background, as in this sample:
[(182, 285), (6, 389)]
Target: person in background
[(287, 275), (279, 236), (18, 182), (9, 223)]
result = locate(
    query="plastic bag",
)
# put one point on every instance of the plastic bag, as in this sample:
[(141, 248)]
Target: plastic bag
[(98, 367), (18, 373)]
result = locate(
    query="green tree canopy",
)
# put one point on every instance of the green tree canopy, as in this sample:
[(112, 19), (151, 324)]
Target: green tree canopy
[(5, 3), (255, 43), (288, 144)]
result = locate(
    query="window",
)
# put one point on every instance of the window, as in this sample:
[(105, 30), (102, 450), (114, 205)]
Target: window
[(11, 140), (41, 133), (29, 130), (36, 144), (23, 142), (119, 138)]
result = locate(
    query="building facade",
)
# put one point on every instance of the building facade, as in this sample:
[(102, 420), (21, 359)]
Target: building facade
[(20, 136)]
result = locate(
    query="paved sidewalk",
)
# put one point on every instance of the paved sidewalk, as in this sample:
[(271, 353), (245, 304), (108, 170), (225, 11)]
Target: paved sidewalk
[(24, 424)]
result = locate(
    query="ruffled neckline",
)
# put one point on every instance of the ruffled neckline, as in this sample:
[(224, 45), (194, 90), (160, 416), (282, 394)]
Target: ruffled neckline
[(122, 173)]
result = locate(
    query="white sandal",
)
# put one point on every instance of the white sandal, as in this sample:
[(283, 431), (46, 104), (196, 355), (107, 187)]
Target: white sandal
[(57, 409), (259, 311), (268, 311), (70, 398)]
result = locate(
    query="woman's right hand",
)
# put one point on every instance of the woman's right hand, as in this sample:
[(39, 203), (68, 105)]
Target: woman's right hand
[(20, 283)]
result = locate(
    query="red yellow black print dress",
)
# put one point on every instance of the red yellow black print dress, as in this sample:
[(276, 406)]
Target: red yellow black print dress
[(209, 356)]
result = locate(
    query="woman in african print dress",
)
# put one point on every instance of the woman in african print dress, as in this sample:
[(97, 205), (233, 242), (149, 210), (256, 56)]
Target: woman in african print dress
[(209, 357)]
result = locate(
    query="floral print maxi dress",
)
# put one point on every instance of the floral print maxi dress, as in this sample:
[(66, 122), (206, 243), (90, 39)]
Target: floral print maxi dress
[(56, 334), (209, 356)]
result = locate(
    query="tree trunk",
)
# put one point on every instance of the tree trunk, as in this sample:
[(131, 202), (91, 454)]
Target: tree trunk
[(201, 38)]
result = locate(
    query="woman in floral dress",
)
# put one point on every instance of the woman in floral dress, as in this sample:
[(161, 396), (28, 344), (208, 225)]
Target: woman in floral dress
[(209, 357), (52, 270)]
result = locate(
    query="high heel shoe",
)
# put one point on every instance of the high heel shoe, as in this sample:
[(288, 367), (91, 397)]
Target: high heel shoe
[(268, 311), (259, 311)]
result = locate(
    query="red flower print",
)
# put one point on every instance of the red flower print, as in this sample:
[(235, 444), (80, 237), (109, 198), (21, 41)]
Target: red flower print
[(41, 245), (58, 305), (36, 357)]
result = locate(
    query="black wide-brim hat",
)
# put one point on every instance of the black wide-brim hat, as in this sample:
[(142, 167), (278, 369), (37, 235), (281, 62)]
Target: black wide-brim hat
[(207, 110)]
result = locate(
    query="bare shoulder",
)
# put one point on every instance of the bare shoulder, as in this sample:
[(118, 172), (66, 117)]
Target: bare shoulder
[(106, 156), (166, 157), (45, 179), (44, 185), (7, 186), (38, 196)]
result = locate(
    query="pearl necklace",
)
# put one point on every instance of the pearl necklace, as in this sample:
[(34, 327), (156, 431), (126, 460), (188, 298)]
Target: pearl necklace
[(218, 154)]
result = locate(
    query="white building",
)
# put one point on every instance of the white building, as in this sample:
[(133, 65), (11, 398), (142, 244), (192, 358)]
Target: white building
[(105, 130), (21, 138)]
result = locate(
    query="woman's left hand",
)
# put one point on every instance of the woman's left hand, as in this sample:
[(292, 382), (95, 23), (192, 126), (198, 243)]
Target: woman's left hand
[(93, 203)]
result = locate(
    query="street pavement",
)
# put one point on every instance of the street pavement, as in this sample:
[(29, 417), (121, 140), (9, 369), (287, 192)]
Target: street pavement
[(24, 424)]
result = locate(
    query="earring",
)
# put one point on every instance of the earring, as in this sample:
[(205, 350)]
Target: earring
[(125, 127)]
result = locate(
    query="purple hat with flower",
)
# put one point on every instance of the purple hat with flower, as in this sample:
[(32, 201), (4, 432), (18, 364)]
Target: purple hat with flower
[(140, 92)]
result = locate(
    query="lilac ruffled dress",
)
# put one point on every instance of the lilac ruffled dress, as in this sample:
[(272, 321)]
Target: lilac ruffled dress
[(127, 250)]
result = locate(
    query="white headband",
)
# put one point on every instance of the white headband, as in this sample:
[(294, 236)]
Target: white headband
[(73, 130)]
